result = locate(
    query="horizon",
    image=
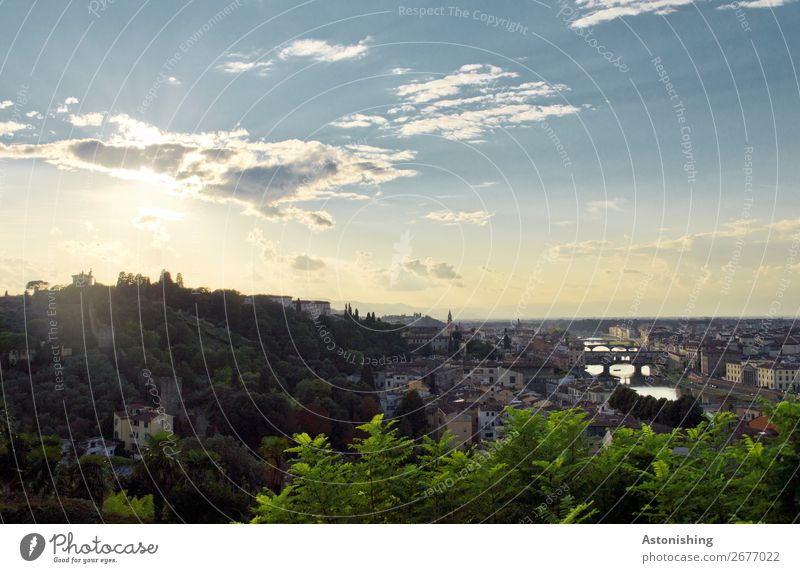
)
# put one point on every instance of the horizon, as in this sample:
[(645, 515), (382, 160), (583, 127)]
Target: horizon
[(405, 309)]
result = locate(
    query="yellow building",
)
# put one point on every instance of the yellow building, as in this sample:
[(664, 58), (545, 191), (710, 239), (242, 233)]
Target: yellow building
[(133, 426), (778, 377), (764, 374), (457, 422)]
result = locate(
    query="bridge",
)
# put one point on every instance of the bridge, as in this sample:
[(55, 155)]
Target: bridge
[(619, 358)]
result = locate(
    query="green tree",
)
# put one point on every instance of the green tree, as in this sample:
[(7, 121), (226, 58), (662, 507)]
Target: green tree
[(158, 471)]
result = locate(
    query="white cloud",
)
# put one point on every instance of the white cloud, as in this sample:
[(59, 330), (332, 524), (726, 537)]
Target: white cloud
[(474, 100), (33, 114), (755, 4), (244, 65), (593, 12), (6, 103), (267, 250), (444, 271), (268, 179), (322, 51), (469, 75), (786, 226), (64, 107), (162, 214), (429, 268), (400, 71), (473, 125), (9, 127), (479, 218), (153, 225), (173, 81), (93, 119), (307, 263), (359, 120), (603, 205), (152, 219)]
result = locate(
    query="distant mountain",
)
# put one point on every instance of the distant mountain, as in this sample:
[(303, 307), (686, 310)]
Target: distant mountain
[(412, 320)]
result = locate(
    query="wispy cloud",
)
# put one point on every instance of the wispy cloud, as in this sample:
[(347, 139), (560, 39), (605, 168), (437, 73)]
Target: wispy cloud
[(479, 218), (256, 62), (239, 63), (307, 263), (593, 12), (322, 51), (473, 101), (470, 75), (603, 205), (359, 120), (589, 13), (153, 220), (755, 4)]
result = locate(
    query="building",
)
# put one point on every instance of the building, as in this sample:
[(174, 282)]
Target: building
[(456, 419), (285, 301), (780, 376), (490, 421), (99, 446), (491, 374), (777, 376), (315, 307), (82, 279), (715, 358), (133, 426), (435, 337), (742, 372), (622, 331)]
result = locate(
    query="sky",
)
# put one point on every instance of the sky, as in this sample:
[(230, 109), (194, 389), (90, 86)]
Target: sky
[(529, 159)]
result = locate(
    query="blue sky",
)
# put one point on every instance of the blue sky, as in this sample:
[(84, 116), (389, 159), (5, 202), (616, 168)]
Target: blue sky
[(535, 159)]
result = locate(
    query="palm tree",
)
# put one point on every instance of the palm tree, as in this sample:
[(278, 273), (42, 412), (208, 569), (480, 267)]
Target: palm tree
[(95, 478), (159, 470), (272, 450)]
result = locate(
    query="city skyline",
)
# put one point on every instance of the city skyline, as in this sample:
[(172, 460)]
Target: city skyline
[(430, 156)]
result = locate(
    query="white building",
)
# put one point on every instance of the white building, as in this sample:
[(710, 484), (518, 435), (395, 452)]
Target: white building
[(490, 421)]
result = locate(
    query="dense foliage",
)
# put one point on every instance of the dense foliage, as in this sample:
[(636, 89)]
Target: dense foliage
[(248, 367), (684, 412), (546, 470)]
